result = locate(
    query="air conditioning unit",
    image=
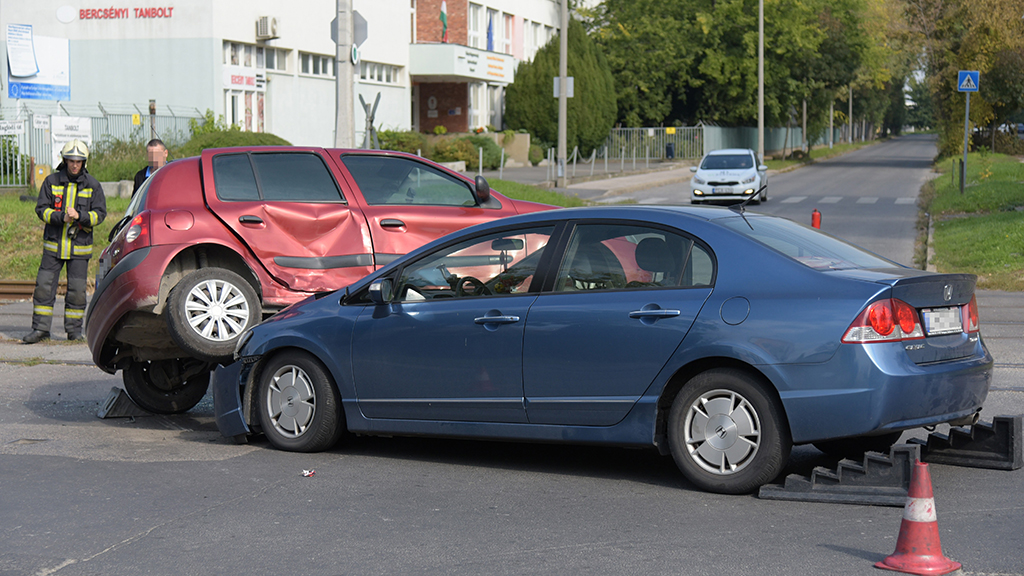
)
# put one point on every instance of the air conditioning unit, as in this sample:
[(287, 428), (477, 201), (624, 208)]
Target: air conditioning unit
[(266, 28)]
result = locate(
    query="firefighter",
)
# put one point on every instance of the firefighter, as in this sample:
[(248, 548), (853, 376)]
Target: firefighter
[(71, 204)]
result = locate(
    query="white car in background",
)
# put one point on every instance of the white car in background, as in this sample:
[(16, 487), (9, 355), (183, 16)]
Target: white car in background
[(728, 175)]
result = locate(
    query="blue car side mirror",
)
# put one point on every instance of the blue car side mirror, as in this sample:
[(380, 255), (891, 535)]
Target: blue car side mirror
[(381, 291)]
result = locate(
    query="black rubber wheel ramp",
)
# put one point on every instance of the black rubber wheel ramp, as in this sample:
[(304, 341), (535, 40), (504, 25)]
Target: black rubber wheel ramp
[(879, 480), (995, 445)]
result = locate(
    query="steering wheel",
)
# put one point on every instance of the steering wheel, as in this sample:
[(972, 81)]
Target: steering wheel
[(479, 288)]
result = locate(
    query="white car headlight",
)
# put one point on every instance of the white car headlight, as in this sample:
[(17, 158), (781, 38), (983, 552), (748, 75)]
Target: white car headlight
[(749, 179), (697, 180)]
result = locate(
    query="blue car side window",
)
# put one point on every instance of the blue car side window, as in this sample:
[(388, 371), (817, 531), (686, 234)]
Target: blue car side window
[(613, 257), (491, 265)]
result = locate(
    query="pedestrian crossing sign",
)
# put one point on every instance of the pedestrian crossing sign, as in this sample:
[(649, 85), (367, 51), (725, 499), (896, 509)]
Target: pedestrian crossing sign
[(967, 81)]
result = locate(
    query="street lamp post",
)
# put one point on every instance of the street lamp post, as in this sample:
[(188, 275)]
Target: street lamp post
[(563, 93), (760, 81)]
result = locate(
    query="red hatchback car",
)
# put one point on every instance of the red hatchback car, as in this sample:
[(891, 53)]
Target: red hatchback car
[(211, 245)]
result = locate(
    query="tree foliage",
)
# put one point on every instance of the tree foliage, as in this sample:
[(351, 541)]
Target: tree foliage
[(529, 103), (982, 35), (678, 63)]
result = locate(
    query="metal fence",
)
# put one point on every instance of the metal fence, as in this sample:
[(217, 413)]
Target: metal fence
[(129, 123), (655, 143)]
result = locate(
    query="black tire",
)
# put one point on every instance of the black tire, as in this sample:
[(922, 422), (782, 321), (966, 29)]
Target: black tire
[(208, 310), (857, 446), (750, 442), (299, 406), (166, 386)]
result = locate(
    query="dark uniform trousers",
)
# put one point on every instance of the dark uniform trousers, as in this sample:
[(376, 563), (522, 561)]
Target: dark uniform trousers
[(46, 293)]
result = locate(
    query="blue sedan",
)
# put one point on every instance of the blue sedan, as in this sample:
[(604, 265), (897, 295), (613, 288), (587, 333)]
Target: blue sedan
[(720, 337)]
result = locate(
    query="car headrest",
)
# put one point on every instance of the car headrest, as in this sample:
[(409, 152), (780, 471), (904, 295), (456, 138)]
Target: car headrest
[(654, 255)]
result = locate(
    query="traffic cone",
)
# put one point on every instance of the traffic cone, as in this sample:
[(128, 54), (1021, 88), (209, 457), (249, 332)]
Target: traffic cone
[(918, 550)]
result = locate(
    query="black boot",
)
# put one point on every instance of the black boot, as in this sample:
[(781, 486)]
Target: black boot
[(35, 336), (74, 336)]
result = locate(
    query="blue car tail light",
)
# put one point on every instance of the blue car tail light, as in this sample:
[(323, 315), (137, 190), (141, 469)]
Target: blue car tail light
[(970, 314), (890, 320)]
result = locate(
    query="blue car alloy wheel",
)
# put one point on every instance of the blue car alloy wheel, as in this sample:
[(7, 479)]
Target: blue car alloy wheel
[(298, 405), (726, 434)]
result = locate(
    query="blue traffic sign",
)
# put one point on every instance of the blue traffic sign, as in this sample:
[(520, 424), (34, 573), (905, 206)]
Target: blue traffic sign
[(967, 81)]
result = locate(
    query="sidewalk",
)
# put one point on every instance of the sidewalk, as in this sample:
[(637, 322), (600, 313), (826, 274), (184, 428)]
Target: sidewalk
[(602, 185)]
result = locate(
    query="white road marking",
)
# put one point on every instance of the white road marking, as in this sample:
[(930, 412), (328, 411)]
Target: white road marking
[(831, 199), (906, 200), (867, 200), (794, 199)]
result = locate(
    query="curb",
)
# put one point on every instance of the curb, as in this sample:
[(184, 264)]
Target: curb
[(929, 264)]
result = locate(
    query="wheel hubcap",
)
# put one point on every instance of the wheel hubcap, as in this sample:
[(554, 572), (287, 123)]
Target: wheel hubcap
[(291, 402), (722, 432), (217, 310)]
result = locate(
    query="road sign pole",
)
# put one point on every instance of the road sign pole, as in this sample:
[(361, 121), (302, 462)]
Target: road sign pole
[(967, 117)]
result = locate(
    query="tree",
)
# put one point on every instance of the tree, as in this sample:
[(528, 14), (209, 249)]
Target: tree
[(530, 105), (921, 113)]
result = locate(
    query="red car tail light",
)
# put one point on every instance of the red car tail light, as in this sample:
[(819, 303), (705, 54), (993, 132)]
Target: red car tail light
[(970, 316), (137, 234), (888, 320)]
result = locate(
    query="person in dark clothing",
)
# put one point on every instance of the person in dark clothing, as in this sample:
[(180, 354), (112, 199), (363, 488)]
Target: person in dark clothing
[(71, 204), (156, 155)]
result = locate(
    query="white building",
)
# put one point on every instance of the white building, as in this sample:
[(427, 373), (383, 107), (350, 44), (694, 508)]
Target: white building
[(268, 65)]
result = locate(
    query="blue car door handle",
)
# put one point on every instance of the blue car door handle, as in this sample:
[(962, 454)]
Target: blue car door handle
[(654, 313), (496, 320)]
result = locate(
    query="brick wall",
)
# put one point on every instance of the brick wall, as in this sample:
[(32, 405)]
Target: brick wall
[(428, 21), (452, 105)]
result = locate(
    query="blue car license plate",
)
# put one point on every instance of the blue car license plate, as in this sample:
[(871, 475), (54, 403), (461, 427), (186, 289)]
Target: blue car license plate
[(942, 321), (721, 190)]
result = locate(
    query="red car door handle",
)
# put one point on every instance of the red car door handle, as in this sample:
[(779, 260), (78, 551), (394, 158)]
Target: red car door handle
[(391, 223), (248, 219)]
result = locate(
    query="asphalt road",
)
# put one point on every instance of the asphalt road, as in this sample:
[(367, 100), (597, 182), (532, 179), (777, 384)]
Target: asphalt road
[(868, 196), (169, 495)]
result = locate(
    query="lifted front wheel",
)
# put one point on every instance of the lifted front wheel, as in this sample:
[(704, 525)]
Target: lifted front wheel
[(167, 386)]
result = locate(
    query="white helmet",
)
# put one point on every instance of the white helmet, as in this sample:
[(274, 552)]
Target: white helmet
[(75, 150)]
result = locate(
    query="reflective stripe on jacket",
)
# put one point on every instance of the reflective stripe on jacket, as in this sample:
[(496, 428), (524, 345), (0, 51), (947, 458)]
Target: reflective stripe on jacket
[(67, 240)]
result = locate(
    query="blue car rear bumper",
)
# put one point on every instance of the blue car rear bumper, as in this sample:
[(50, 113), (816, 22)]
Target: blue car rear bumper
[(872, 388)]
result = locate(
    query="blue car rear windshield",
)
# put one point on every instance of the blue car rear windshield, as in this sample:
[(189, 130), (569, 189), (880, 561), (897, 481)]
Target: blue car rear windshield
[(727, 162), (806, 245)]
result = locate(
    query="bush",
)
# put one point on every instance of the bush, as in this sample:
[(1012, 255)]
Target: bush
[(112, 160), (410, 142), (454, 151), (536, 154), (222, 139), (492, 152)]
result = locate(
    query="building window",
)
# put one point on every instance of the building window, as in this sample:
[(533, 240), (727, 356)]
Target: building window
[(377, 72), (506, 36), (276, 59), (477, 104), (316, 65), (412, 20), (493, 30), (476, 15)]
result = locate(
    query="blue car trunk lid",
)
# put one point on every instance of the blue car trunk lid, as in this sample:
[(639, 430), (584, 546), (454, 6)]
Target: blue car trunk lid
[(941, 302)]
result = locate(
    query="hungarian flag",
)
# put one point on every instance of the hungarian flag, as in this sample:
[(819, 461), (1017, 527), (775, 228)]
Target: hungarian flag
[(444, 21)]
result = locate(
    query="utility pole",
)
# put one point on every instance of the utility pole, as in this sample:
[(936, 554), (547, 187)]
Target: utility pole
[(849, 118), (760, 81), (344, 131), (563, 92)]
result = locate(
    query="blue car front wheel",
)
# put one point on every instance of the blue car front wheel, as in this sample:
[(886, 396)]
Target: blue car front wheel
[(726, 432), (299, 407)]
